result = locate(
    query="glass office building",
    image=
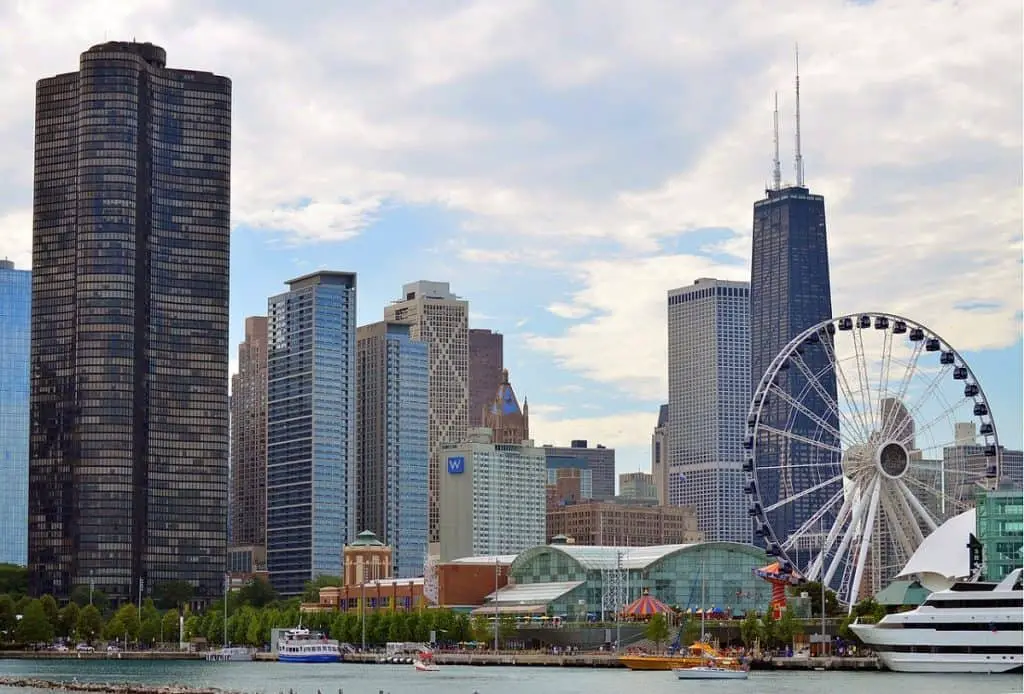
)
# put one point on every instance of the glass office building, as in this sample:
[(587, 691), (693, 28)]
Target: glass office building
[(790, 291), (128, 466), (392, 444), (15, 325), (311, 421)]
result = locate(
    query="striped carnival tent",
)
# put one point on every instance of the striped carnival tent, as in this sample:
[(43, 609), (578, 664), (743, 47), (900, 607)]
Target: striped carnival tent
[(645, 606)]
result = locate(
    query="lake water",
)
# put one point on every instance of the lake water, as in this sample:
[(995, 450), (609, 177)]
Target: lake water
[(273, 678)]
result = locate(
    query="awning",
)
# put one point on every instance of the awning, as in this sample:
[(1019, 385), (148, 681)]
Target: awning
[(509, 609), (901, 593)]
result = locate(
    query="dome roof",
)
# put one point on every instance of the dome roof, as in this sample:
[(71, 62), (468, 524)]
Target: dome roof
[(367, 538), (943, 557)]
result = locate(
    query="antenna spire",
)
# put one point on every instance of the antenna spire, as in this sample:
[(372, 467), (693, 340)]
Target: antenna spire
[(776, 166), (799, 154)]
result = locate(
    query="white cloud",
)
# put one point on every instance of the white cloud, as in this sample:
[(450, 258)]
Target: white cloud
[(567, 310)]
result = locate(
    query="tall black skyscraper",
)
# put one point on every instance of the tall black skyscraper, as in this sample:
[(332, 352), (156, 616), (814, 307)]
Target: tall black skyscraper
[(790, 292), (129, 409)]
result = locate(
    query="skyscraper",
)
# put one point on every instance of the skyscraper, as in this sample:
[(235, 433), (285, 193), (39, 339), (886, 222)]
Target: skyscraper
[(440, 319), (311, 421), (659, 455), (392, 442), (249, 438), (790, 292), (486, 360), (708, 397), (508, 422), (15, 316), (128, 467), (599, 459)]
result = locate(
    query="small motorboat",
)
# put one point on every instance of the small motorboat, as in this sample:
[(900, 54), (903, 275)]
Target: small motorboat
[(424, 662), (702, 672)]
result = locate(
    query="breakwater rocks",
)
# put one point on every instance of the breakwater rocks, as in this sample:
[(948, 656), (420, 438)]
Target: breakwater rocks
[(107, 688)]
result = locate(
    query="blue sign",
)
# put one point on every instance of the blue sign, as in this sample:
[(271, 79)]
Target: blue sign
[(456, 465)]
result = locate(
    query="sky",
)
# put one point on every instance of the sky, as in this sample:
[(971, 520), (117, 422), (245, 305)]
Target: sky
[(564, 164)]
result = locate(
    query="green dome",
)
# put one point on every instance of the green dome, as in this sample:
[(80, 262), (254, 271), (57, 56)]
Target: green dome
[(367, 538)]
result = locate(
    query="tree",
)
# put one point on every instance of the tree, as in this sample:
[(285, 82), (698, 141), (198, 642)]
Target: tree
[(480, 628), (507, 627), (657, 629), (259, 593), (113, 630), (67, 620), (172, 594), (769, 628), (750, 629), (90, 624), (787, 627), (311, 592), (13, 580), (50, 608), (83, 595), (813, 590), (149, 630), (34, 627), (867, 611), (8, 618), (169, 627), (689, 631)]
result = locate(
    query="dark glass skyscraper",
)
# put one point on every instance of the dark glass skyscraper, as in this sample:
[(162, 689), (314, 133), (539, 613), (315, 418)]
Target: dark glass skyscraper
[(790, 292), (129, 409)]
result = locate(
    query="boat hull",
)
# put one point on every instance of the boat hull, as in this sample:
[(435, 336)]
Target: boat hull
[(952, 663), (662, 663), (309, 658), (705, 673)]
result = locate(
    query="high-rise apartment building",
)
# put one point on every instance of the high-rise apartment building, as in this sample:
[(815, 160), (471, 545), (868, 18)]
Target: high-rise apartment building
[(638, 487), (790, 291), (659, 455), (128, 467), (392, 442), (708, 398), (486, 361), (441, 320), (15, 331), (493, 499), (600, 461), (311, 428), (248, 506)]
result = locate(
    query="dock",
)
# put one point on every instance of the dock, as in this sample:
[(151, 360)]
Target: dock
[(101, 655)]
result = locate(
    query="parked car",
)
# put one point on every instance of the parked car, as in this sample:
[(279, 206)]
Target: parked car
[(84, 648)]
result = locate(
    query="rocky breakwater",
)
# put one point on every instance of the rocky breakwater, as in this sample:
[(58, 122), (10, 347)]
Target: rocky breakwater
[(108, 688)]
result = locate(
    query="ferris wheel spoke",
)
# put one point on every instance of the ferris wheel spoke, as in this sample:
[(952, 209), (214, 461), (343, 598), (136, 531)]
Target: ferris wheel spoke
[(938, 419), (950, 505), (895, 521), (814, 519), (915, 526), (863, 424), (865, 542), (863, 375), (901, 395), (802, 493), (828, 399), (922, 513), (792, 436), (804, 410), (883, 374), (930, 391)]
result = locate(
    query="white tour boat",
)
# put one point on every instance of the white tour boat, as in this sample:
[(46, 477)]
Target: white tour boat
[(710, 672), (971, 627), (231, 654), (301, 646)]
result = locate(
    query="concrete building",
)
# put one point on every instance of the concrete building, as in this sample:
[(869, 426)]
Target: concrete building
[(709, 394), (966, 465), (600, 461), (392, 372), (441, 320), (570, 481), (492, 497), (486, 362), (638, 487), (659, 455), (605, 523), (15, 332), (248, 502), (311, 428), (128, 474)]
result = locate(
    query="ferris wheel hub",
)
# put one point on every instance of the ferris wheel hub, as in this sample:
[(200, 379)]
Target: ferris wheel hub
[(892, 459)]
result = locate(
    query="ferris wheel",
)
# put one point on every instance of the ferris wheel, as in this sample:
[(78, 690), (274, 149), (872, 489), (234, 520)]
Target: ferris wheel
[(866, 433)]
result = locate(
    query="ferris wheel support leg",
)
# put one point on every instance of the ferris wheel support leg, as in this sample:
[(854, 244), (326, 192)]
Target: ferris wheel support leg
[(817, 569), (851, 530), (915, 527), (865, 543), (917, 505)]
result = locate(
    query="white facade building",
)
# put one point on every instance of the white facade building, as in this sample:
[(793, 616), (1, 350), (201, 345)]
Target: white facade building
[(492, 497), (709, 394), (441, 319)]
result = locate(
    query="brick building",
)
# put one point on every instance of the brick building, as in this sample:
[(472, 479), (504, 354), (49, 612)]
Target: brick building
[(606, 524)]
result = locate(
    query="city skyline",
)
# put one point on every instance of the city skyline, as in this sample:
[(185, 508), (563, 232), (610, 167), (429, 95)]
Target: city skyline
[(601, 219)]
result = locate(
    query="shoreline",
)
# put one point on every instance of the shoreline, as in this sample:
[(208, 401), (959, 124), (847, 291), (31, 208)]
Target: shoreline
[(108, 687)]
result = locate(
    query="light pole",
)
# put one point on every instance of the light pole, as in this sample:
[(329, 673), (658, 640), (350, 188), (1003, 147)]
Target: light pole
[(362, 611), (618, 608), (496, 604)]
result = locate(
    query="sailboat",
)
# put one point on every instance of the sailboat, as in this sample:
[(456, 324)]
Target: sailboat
[(228, 653), (713, 666)]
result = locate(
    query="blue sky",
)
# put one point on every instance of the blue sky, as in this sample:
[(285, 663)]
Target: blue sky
[(564, 164)]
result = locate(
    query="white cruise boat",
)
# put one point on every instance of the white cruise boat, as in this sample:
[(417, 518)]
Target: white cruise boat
[(971, 627)]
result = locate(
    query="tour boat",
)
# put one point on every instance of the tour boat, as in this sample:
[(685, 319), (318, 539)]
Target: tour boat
[(424, 662), (231, 654), (973, 626), (301, 646), (710, 672)]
